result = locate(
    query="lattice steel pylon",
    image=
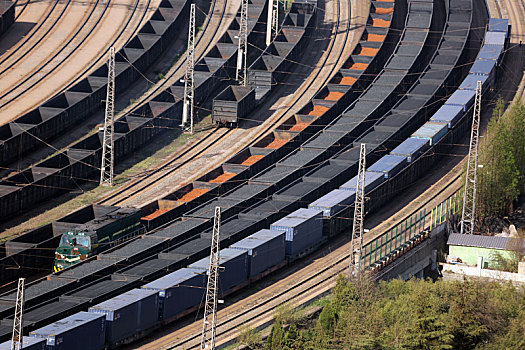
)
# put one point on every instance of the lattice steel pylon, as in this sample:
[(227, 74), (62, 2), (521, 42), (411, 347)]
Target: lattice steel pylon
[(275, 18), (209, 321), (359, 213), (188, 107), (469, 195), (16, 339), (108, 156), (269, 21), (242, 52)]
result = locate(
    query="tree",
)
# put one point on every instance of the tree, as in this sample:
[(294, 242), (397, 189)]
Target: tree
[(276, 338), (468, 313), (502, 154), (327, 319), (291, 337), (248, 337)]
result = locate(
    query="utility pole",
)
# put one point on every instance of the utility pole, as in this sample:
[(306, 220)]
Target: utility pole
[(359, 212), (106, 170), (209, 322), (469, 196), (187, 108), (16, 339), (242, 52)]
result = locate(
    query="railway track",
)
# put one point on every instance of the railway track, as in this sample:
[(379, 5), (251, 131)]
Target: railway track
[(24, 6), (301, 286), (219, 145), (318, 278), (222, 14), (101, 25)]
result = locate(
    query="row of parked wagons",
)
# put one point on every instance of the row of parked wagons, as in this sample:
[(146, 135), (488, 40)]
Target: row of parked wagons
[(129, 315), (304, 232), (213, 73)]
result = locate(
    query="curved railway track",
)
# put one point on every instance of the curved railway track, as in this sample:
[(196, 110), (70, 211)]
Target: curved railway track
[(24, 6), (317, 278), (296, 288), (203, 44), (137, 192), (14, 101), (34, 34)]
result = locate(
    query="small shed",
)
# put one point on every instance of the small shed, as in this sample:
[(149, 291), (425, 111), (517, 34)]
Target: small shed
[(469, 247)]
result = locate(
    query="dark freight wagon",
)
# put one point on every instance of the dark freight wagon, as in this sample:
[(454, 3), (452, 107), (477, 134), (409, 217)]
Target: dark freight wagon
[(178, 291), (265, 249), (233, 104), (29, 343), (82, 331), (128, 314), (235, 268), (304, 229)]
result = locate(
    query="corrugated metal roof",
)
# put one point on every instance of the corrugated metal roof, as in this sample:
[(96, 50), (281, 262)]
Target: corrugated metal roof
[(479, 241), (225, 256), (332, 198), (66, 324), (27, 341), (266, 233), (371, 178)]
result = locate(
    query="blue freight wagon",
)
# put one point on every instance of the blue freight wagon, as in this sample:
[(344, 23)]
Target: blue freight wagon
[(490, 52), (431, 131), (495, 38), (304, 229), (411, 148), (128, 314), (471, 81), (372, 180), (265, 248), (333, 202), (484, 67), (28, 343), (179, 291), (389, 165), (235, 268), (81, 331), (449, 114), (463, 98), (499, 25)]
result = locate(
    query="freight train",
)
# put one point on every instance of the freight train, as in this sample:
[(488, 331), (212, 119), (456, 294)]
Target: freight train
[(130, 315), (305, 230)]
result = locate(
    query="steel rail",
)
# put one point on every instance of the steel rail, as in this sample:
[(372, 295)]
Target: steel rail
[(75, 48), (322, 276), (32, 34), (24, 6), (221, 137), (173, 162)]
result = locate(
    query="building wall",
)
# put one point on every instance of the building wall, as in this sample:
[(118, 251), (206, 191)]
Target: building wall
[(469, 255)]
